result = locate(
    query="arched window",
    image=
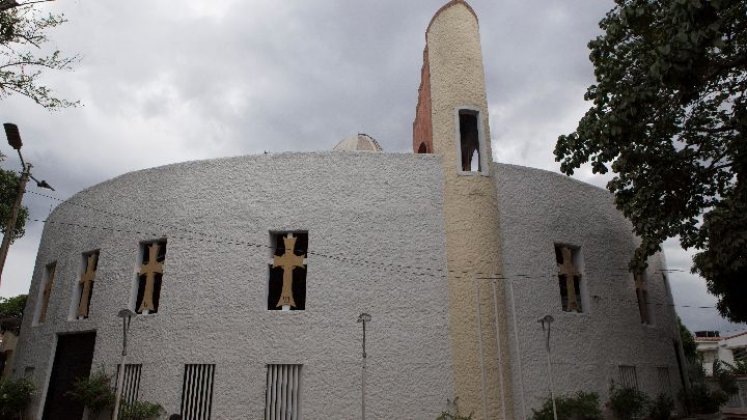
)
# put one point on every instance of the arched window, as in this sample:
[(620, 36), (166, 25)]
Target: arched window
[(423, 148)]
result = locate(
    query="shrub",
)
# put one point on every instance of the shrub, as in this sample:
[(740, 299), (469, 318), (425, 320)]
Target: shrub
[(140, 410), (452, 413), (15, 396), (582, 406), (661, 408), (628, 403), (93, 392)]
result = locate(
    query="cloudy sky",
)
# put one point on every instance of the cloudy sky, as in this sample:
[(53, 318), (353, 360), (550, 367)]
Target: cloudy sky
[(163, 81)]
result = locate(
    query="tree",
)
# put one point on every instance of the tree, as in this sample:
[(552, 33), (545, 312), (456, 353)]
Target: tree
[(11, 313), (9, 181), (23, 57), (669, 118)]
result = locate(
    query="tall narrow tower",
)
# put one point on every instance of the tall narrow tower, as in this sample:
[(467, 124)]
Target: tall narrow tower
[(452, 121)]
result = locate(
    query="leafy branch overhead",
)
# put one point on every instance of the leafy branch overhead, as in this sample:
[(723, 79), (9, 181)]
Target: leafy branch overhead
[(24, 53), (669, 119)]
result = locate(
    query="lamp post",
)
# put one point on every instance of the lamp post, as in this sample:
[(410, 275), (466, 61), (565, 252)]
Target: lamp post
[(126, 316), (14, 140), (548, 319), (363, 318)]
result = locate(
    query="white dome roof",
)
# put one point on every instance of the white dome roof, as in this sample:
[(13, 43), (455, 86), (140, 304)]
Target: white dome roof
[(358, 143)]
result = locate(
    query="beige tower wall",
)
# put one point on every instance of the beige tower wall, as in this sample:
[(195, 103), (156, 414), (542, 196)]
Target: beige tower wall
[(481, 368)]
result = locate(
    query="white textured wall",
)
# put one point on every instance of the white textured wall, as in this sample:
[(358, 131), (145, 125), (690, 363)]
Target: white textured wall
[(538, 209), (383, 208)]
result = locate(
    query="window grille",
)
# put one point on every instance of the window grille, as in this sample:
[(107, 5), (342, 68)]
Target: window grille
[(283, 392), (287, 284), (665, 387), (197, 392), (628, 377), (130, 382), (740, 354)]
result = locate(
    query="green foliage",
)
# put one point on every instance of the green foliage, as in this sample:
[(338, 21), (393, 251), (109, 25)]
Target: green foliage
[(23, 56), (453, 412), (704, 400), (141, 410), (669, 118), (582, 406), (688, 342), (15, 396), (628, 403), (738, 368), (9, 181), (12, 307), (661, 408), (725, 377), (93, 392)]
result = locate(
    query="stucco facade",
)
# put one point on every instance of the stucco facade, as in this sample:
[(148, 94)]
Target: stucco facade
[(454, 257), (216, 216)]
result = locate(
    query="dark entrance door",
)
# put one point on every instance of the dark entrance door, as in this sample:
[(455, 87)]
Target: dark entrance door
[(71, 360)]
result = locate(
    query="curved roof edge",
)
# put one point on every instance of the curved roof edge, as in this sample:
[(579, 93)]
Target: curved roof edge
[(546, 172), (449, 5)]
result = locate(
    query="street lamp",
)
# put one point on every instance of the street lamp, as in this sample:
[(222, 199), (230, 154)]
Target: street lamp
[(14, 140), (363, 318), (126, 316), (548, 319)]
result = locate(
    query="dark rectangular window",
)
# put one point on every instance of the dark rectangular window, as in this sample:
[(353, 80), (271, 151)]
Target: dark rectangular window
[(153, 255), (287, 284), (469, 140), (197, 392)]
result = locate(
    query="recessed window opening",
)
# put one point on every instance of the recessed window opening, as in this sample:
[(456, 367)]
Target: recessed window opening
[(150, 276), (287, 284), (641, 294), (469, 141), (569, 278), (45, 292), (84, 285), (423, 148)]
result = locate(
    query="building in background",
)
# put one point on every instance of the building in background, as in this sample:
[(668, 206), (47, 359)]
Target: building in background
[(248, 276), (711, 346)]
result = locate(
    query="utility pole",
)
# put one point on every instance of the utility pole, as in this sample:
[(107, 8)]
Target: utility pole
[(364, 318), (548, 319), (10, 227), (14, 140), (126, 316)]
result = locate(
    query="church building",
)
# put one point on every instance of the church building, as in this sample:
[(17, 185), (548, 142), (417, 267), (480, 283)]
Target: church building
[(321, 285)]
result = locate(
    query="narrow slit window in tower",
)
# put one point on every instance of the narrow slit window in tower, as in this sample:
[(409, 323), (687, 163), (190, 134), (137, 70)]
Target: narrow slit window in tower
[(469, 141), (46, 292), (423, 148)]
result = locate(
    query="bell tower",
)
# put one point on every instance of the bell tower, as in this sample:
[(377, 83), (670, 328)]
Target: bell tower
[(451, 120)]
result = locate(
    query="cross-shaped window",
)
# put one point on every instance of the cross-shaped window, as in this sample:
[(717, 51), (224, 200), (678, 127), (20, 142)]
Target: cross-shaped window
[(46, 292), (153, 255), (85, 284), (569, 278), (287, 288)]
